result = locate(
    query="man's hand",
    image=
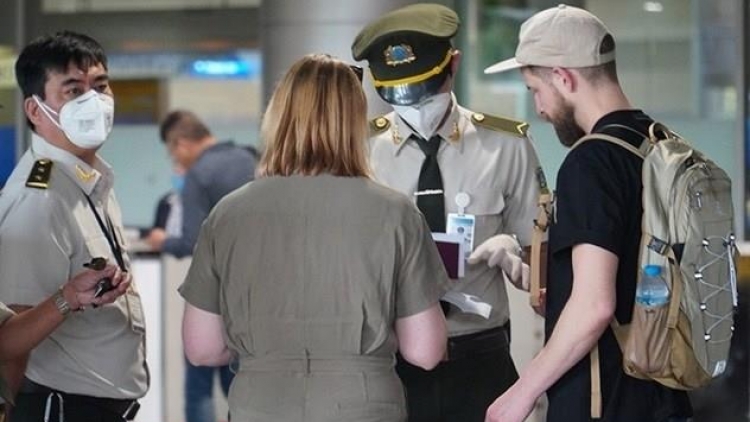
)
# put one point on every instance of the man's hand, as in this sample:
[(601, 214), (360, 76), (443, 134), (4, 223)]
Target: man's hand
[(504, 251), (156, 238), (79, 291), (512, 406)]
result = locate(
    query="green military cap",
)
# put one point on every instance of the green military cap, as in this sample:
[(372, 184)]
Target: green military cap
[(409, 51)]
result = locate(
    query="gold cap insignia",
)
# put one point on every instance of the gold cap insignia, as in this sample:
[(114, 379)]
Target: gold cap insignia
[(40, 174), (399, 54)]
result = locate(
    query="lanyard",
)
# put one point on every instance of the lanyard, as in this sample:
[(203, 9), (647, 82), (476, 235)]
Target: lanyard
[(109, 233)]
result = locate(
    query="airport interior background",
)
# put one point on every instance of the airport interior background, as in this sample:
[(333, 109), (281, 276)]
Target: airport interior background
[(682, 61)]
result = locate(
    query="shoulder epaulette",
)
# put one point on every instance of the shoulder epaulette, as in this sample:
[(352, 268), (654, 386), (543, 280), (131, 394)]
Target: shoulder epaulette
[(379, 125), (502, 124), (40, 174)]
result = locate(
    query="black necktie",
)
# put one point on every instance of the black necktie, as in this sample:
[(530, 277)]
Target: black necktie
[(430, 197)]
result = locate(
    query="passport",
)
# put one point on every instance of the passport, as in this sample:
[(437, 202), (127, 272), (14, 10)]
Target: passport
[(451, 251)]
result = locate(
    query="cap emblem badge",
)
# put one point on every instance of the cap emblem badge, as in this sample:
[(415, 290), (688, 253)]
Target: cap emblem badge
[(399, 54)]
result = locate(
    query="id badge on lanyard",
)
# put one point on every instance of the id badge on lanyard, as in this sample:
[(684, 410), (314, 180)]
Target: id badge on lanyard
[(462, 224)]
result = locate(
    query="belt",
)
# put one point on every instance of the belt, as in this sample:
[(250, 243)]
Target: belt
[(461, 347), (127, 408), (306, 364)]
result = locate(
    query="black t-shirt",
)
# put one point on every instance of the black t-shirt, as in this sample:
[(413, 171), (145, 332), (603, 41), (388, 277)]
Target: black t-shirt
[(598, 201)]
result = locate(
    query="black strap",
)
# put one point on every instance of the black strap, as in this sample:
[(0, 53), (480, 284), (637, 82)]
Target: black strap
[(109, 233), (430, 195)]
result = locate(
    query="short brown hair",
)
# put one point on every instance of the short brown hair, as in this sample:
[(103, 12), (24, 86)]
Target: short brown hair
[(593, 74), (184, 124), (316, 121)]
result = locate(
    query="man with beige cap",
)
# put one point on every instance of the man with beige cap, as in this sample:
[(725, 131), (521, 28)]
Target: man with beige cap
[(567, 58)]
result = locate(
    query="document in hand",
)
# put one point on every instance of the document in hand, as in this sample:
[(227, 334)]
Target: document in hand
[(451, 248)]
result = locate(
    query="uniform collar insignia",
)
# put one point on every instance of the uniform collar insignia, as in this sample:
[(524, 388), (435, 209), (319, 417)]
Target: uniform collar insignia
[(454, 127), (455, 134), (399, 132), (399, 54), (83, 175), (395, 136)]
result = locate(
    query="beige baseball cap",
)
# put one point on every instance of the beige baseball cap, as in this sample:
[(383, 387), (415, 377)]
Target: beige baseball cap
[(562, 36)]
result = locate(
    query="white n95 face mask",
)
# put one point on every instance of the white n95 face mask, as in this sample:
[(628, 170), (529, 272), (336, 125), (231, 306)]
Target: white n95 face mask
[(426, 116), (86, 120)]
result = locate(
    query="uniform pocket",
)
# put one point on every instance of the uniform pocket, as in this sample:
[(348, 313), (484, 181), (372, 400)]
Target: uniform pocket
[(98, 245), (488, 209)]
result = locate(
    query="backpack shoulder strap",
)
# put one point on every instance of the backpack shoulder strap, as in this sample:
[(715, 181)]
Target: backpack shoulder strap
[(541, 224), (537, 270), (621, 335), (596, 383), (614, 140)]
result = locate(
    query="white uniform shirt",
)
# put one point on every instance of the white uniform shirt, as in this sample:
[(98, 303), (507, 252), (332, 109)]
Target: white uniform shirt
[(46, 235), (497, 169)]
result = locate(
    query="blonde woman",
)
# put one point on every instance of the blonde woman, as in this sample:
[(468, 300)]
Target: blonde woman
[(313, 275)]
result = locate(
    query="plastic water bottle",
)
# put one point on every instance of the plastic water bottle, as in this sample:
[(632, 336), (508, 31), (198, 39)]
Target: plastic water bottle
[(653, 290)]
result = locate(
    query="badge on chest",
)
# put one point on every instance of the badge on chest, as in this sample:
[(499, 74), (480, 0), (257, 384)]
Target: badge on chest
[(462, 224)]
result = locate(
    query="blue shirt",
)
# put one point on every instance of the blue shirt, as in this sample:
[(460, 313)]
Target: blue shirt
[(219, 170)]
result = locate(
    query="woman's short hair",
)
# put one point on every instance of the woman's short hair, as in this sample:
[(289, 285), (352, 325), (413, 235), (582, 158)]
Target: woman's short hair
[(316, 121)]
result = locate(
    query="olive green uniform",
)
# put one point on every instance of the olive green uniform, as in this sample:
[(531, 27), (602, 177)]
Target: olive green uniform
[(47, 232), (309, 275)]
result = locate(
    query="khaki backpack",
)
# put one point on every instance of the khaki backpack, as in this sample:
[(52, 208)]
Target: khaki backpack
[(687, 229)]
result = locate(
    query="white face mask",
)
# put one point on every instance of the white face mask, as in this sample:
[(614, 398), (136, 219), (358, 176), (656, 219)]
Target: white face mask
[(426, 116), (86, 120)]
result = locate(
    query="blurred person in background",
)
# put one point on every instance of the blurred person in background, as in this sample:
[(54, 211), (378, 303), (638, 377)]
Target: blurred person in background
[(313, 275), (168, 214), (212, 169)]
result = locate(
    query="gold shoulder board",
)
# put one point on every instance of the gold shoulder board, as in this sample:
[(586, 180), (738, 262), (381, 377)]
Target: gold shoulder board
[(501, 124), (379, 125), (40, 174)]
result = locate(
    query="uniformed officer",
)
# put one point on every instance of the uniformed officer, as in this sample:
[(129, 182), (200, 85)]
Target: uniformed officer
[(471, 174), (58, 211)]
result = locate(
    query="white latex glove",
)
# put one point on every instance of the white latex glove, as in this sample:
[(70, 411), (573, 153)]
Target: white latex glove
[(504, 251)]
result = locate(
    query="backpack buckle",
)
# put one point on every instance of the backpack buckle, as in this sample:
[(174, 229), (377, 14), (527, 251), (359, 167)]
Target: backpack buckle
[(657, 245)]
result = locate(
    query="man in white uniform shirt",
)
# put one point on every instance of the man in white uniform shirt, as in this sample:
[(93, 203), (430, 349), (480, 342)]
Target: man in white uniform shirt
[(58, 211)]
